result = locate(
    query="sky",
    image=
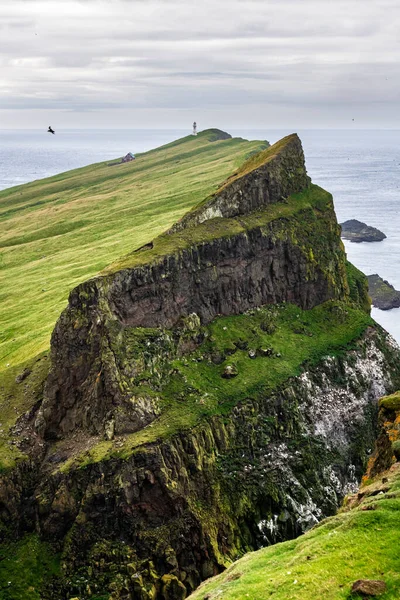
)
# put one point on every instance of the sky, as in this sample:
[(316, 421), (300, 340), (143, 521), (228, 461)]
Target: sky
[(225, 63)]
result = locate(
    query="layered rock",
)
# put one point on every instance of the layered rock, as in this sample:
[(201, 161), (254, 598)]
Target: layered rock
[(266, 178), (224, 266)]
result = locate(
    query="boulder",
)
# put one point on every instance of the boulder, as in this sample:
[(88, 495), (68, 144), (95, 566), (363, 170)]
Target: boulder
[(356, 231), (230, 372), (368, 587)]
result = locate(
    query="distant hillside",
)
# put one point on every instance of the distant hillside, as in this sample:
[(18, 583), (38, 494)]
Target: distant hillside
[(57, 232)]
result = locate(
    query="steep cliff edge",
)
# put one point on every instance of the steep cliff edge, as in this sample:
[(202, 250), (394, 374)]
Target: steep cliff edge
[(356, 549), (210, 393), (288, 250)]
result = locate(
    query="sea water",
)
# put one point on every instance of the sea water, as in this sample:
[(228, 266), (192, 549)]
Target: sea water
[(361, 168)]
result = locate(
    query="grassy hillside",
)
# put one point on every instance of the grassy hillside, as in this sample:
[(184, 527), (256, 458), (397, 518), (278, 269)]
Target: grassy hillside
[(361, 542), (57, 232)]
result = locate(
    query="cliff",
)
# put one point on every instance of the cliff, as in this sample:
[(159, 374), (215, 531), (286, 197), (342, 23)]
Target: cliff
[(287, 252), (354, 551), (210, 393)]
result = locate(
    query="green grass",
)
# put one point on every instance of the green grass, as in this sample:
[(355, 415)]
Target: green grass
[(24, 567), (15, 400), (323, 563), (197, 390), (314, 198), (58, 232)]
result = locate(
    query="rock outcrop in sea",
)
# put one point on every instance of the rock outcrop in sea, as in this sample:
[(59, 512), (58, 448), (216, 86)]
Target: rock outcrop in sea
[(383, 294), (356, 231)]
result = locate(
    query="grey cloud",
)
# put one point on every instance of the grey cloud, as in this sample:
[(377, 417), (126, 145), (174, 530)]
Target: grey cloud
[(242, 56)]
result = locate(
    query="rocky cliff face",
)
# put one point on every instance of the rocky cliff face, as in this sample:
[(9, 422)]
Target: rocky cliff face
[(224, 267), (213, 392), (269, 177)]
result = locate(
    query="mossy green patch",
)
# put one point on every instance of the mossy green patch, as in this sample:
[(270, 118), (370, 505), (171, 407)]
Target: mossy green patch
[(25, 568), (358, 286), (391, 402), (21, 387)]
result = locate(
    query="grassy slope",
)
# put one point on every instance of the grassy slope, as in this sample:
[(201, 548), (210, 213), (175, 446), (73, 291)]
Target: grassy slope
[(355, 544), (15, 400), (57, 232)]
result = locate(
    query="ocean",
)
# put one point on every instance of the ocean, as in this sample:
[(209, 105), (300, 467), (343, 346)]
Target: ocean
[(361, 168)]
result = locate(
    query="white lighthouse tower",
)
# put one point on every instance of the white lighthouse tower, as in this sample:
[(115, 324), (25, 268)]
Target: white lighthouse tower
[(195, 128)]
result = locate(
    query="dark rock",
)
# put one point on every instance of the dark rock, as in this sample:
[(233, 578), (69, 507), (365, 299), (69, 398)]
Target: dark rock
[(268, 326), (356, 231), (265, 351), (242, 344), (217, 358), (230, 372), (25, 373), (368, 587), (383, 294)]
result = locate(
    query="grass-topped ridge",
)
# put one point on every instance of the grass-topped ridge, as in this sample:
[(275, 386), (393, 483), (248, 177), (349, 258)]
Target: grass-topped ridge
[(58, 232), (314, 198), (263, 158)]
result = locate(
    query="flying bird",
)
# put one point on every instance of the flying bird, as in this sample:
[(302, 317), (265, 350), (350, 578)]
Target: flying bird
[(50, 130)]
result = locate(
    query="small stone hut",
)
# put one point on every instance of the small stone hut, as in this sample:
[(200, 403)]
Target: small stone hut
[(128, 157)]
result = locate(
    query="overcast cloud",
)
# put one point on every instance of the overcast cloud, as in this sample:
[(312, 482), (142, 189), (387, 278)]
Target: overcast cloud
[(227, 63)]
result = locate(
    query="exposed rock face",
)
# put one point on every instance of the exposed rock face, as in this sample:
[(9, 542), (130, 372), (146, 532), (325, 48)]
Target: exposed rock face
[(153, 518), (382, 293), (387, 449), (269, 178), (356, 231), (298, 260), (184, 506)]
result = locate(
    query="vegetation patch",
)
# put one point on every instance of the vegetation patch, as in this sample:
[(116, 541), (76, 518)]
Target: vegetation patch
[(26, 567), (21, 387), (391, 402), (359, 543)]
